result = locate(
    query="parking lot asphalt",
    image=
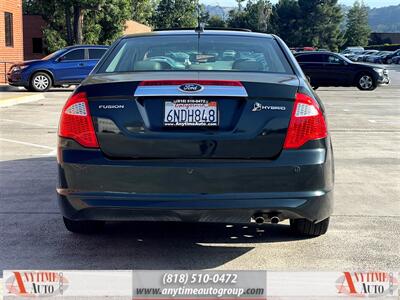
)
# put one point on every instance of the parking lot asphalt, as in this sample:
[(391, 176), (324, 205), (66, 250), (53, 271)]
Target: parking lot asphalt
[(364, 232)]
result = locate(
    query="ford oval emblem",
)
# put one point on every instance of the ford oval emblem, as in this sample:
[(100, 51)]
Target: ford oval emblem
[(191, 88)]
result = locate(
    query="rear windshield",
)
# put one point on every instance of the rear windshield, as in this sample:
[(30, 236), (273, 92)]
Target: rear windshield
[(191, 53)]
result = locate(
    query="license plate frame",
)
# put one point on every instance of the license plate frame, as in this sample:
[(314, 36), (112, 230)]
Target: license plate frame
[(191, 113)]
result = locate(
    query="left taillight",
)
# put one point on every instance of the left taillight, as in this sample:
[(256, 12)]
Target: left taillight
[(307, 123), (76, 121)]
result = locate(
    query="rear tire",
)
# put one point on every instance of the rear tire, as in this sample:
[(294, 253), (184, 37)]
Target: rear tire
[(85, 227), (315, 87), (365, 82), (305, 227), (40, 82)]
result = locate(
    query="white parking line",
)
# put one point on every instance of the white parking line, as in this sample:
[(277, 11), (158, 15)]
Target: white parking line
[(21, 100), (27, 144), (25, 123)]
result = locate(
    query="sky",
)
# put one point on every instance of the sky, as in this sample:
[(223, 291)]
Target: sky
[(370, 3)]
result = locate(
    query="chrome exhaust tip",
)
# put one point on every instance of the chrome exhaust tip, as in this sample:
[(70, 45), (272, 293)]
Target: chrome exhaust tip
[(275, 219), (259, 220)]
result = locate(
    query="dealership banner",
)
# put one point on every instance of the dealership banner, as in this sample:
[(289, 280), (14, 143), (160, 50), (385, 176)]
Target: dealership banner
[(192, 284)]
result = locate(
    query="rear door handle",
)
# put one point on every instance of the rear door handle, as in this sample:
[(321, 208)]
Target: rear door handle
[(81, 64)]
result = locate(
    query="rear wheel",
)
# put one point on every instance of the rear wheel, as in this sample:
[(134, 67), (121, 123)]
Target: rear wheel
[(365, 82), (86, 227), (40, 82), (307, 228)]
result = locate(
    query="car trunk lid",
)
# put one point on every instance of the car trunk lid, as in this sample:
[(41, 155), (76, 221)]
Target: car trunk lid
[(253, 109)]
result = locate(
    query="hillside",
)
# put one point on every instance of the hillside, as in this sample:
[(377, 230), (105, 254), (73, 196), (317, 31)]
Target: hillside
[(216, 10), (384, 19)]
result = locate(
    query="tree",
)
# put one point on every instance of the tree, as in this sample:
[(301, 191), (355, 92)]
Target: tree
[(80, 21), (320, 23), (240, 5), (237, 19), (258, 13), (255, 16), (175, 14), (285, 22), (216, 21), (357, 28), (143, 10)]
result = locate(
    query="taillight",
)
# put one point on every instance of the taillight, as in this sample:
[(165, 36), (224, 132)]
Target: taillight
[(76, 122), (307, 122)]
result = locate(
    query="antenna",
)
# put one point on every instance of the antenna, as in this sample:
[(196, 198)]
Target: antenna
[(200, 25)]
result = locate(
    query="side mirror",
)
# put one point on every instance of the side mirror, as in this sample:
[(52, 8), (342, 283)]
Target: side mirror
[(60, 59)]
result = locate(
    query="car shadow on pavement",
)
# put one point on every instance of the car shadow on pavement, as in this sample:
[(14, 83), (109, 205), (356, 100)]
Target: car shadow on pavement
[(33, 235)]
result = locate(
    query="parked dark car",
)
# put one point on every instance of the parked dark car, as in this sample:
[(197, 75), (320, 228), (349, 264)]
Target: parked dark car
[(378, 58), (66, 66), (396, 60), (216, 138), (388, 59), (349, 51), (361, 56), (332, 69)]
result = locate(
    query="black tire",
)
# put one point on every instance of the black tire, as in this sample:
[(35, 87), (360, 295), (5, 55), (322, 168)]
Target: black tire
[(307, 228), (365, 82), (85, 227), (315, 87), (40, 82)]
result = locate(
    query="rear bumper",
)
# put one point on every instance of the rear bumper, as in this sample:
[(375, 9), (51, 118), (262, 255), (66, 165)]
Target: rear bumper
[(299, 184), (314, 206)]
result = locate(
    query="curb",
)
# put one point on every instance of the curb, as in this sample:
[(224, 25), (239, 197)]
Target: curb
[(20, 100)]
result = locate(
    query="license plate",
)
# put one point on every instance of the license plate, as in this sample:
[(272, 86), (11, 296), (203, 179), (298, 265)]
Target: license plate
[(190, 112)]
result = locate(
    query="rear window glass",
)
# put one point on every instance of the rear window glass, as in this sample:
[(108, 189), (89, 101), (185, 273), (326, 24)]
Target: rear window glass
[(311, 58), (75, 55), (96, 53), (190, 53)]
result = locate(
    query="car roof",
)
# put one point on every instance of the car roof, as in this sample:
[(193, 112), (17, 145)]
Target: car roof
[(205, 31), (315, 52), (86, 46)]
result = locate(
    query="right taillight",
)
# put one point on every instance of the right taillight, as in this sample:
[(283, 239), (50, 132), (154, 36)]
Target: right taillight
[(76, 122), (306, 123)]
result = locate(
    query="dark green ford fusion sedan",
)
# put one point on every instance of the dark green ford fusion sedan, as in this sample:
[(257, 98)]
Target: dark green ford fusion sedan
[(195, 126)]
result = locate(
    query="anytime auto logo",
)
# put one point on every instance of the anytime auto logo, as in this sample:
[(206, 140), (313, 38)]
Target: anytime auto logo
[(367, 284), (35, 284)]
